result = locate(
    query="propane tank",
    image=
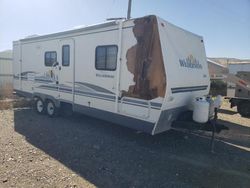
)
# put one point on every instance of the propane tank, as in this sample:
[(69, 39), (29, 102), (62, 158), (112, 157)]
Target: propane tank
[(201, 110), (218, 101), (211, 106)]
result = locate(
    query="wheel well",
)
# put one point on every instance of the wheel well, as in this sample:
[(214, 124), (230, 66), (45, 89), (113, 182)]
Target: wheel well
[(57, 103), (46, 100), (37, 97)]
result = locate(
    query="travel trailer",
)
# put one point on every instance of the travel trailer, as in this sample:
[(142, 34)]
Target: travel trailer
[(238, 91), (140, 73)]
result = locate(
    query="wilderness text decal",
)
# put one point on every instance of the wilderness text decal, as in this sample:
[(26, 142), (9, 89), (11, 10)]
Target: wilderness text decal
[(190, 62)]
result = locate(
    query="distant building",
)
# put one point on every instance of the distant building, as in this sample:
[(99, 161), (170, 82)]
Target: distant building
[(216, 70), (6, 63), (234, 68)]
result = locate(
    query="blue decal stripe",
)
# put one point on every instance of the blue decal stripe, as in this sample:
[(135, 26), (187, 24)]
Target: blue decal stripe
[(135, 101), (188, 89), (136, 104), (36, 79), (154, 105), (54, 88), (96, 94), (43, 80)]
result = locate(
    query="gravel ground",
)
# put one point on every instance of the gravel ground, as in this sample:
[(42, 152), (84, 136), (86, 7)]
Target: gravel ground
[(79, 151)]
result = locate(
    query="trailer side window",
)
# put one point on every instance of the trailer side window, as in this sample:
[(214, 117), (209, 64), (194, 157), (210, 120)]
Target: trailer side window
[(50, 58), (106, 57), (65, 55)]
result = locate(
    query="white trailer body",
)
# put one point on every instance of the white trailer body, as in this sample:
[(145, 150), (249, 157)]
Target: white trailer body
[(141, 73)]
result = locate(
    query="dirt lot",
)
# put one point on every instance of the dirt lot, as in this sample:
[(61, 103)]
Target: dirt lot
[(37, 151)]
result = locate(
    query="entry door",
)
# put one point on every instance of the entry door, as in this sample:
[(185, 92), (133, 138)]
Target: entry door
[(66, 69)]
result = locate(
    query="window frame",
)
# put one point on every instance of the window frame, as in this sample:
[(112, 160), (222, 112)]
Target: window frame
[(106, 46), (46, 52), (66, 45)]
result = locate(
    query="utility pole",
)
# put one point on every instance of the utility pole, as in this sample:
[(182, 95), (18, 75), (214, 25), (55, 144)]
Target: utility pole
[(129, 9)]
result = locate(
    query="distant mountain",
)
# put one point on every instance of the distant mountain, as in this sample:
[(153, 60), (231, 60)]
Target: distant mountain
[(225, 61)]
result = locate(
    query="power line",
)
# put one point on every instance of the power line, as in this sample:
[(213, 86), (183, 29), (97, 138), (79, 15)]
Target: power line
[(129, 9)]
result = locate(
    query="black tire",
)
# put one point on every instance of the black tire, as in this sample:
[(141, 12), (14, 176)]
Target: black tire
[(39, 106), (243, 109), (51, 108)]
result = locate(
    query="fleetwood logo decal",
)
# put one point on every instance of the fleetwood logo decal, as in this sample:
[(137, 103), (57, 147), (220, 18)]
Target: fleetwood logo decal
[(190, 62)]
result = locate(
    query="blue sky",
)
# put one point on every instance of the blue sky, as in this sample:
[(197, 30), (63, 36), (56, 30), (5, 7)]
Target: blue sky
[(224, 24)]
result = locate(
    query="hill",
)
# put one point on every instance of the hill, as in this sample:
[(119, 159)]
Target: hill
[(225, 61)]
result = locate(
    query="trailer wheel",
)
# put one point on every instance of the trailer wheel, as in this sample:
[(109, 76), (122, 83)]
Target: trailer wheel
[(244, 109), (51, 108), (39, 106)]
